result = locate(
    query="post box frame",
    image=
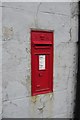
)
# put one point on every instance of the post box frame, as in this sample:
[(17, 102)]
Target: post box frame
[(33, 93)]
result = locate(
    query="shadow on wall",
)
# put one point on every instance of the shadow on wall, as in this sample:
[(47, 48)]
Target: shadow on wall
[(77, 102)]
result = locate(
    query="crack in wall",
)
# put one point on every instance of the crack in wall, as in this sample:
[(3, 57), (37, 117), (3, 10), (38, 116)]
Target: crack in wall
[(4, 6), (54, 13), (70, 34), (36, 17)]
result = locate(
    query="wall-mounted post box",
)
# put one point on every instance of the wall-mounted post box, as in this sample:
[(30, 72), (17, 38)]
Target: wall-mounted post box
[(41, 62)]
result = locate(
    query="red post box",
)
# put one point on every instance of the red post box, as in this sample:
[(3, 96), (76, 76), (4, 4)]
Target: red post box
[(41, 62)]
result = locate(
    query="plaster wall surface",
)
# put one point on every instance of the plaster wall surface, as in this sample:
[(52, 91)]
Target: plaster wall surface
[(18, 18), (0, 61)]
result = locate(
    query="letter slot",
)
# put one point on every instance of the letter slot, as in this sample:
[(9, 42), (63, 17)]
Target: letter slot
[(41, 62)]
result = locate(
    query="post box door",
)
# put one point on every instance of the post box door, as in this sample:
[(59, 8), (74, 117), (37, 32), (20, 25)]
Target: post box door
[(42, 72), (41, 67)]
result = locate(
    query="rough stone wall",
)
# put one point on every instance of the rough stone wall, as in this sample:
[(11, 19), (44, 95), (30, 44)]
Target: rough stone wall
[(18, 18)]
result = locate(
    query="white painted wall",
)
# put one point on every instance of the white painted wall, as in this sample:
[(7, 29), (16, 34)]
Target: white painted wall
[(18, 18), (0, 61)]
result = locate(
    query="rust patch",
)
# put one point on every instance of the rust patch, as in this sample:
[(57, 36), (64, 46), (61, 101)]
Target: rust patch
[(34, 99)]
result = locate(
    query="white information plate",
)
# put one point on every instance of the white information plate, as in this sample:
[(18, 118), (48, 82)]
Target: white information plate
[(41, 62)]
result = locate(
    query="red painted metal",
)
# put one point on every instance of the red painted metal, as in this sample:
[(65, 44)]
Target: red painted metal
[(41, 62)]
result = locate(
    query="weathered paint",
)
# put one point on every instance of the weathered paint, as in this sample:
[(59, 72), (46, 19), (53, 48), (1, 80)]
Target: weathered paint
[(18, 18)]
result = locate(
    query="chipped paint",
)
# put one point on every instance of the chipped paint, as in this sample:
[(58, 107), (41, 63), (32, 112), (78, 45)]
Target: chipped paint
[(8, 33)]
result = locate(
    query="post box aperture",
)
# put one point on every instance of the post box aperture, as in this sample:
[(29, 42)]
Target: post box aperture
[(41, 62)]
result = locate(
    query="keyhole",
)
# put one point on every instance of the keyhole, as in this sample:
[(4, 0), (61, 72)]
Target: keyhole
[(40, 74)]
